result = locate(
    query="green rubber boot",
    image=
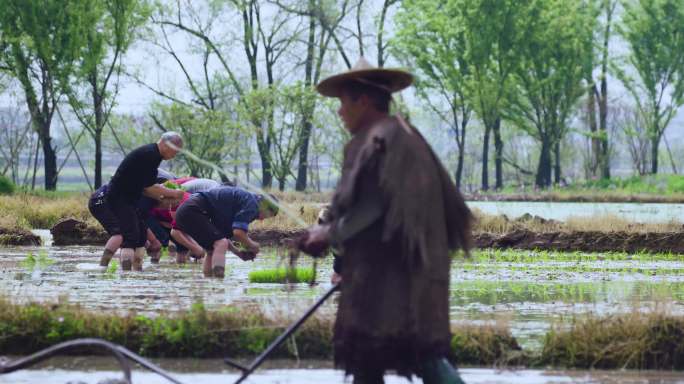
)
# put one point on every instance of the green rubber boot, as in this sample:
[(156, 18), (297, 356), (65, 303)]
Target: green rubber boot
[(439, 371)]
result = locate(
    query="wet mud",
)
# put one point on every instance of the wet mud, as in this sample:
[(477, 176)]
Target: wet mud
[(589, 241), (18, 237), (74, 232)]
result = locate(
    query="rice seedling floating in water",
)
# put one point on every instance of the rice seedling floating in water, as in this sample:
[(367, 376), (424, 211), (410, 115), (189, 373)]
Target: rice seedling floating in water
[(282, 275), (41, 261)]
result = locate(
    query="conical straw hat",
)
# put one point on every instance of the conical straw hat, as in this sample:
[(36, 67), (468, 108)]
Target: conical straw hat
[(390, 80)]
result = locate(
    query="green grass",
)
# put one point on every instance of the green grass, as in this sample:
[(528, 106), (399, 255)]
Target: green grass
[(635, 341), (648, 188), (544, 256), (282, 275), (198, 333)]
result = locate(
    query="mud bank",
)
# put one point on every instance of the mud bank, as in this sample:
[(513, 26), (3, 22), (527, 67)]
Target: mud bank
[(589, 241), (74, 232), (17, 237), (634, 341)]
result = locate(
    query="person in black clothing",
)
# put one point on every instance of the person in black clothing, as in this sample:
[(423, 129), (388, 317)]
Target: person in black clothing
[(135, 176), (99, 208)]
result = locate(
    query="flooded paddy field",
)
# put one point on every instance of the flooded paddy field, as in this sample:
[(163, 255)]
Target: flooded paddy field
[(526, 291)]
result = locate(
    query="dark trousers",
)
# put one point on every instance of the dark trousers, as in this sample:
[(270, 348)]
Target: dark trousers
[(131, 223), (162, 234), (194, 219)]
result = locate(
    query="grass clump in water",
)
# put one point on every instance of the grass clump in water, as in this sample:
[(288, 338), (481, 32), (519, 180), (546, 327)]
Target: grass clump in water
[(631, 341), (282, 275), (486, 345)]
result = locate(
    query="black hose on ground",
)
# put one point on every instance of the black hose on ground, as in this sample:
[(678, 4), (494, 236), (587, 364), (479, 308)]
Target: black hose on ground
[(121, 354)]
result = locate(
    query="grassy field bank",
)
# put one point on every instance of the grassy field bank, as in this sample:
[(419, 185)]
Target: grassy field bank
[(628, 341)]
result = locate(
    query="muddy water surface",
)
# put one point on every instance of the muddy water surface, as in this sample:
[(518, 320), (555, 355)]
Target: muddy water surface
[(96, 370), (644, 213)]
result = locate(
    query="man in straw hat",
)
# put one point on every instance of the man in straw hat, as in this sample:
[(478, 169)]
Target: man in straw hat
[(396, 215)]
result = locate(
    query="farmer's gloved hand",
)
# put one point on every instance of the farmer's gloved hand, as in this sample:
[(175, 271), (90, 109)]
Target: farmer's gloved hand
[(315, 241)]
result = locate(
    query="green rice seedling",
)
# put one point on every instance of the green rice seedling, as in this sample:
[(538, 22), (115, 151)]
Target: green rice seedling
[(44, 260), (112, 268), (282, 275), (29, 262)]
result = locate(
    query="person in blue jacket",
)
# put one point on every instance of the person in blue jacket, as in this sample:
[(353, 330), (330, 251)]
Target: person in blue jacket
[(213, 219)]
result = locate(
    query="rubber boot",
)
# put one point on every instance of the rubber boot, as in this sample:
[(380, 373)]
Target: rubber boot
[(367, 377), (138, 258), (106, 257), (439, 371)]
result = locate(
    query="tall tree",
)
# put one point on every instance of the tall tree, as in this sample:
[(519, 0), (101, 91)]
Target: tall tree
[(41, 42), (654, 32), (549, 79), (259, 33), (493, 31), (597, 70), (322, 22), (428, 40), (94, 86)]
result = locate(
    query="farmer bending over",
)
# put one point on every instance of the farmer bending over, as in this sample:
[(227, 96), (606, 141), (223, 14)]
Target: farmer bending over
[(99, 208), (208, 219), (135, 176)]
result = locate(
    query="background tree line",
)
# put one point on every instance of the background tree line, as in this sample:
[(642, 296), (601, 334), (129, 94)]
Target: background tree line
[(526, 89)]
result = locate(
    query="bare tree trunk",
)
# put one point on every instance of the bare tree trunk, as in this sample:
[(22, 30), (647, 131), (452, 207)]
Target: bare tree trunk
[(543, 178), (49, 161), (593, 129), (301, 182), (35, 164), (557, 164), (604, 162), (655, 141), (485, 160), (498, 153)]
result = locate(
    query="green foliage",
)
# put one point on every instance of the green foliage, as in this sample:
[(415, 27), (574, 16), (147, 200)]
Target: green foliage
[(40, 43), (654, 31), (208, 133), (7, 187), (285, 109), (549, 78), (282, 275), (651, 184)]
